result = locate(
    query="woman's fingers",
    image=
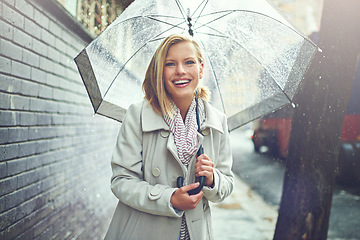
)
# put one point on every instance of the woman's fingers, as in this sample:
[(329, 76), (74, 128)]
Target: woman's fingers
[(189, 187), (204, 160), (205, 167), (183, 201), (180, 198)]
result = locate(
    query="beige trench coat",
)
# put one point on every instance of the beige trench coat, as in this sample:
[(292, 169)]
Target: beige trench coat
[(145, 167)]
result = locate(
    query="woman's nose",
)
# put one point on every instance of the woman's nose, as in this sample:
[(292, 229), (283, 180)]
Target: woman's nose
[(180, 69)]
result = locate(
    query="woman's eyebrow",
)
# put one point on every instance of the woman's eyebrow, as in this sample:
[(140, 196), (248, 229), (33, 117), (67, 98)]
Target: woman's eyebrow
[(187, 58)]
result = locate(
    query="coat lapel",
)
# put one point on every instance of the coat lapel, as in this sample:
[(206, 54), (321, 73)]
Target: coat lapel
[(152, 121)]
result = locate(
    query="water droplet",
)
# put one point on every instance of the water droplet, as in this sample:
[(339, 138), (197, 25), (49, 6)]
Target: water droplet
[(319, 49), (293, 105), (320, 77)]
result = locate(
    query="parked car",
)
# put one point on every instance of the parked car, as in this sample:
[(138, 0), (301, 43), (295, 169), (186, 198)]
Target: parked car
[(273, 132)]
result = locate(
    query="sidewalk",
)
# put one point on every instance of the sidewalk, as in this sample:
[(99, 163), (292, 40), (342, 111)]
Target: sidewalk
[(243, 215)]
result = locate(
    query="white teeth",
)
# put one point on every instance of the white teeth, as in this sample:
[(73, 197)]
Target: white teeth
[(181, 82)]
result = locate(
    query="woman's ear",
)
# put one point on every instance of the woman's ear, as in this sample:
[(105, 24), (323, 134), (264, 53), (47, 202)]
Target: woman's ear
[(201, 72)]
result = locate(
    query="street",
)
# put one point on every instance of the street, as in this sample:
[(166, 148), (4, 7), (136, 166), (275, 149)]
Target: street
[(265, 176)]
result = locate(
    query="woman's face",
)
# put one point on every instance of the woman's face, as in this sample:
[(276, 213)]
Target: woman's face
[(182, 71)]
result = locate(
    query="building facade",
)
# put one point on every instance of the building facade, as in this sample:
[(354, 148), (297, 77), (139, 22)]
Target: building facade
[(95, 15), (54, 152)]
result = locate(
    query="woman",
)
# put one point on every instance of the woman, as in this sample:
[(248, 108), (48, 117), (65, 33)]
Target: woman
[(157, 143)]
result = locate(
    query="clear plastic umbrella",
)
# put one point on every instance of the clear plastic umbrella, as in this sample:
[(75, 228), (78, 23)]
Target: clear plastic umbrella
[(255, 59)]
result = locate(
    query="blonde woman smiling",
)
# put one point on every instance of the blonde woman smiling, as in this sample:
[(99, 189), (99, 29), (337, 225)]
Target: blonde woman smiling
[(158, 142)]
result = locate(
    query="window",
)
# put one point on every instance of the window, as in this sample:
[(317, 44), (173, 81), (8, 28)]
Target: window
[(95, 15)]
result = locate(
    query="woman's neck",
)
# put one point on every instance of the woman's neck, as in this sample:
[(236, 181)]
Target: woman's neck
[(183, 105)]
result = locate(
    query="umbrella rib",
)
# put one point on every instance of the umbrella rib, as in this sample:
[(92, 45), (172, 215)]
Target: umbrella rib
[(207, 1), (173, 25), (212, 34), (181, 8), (112, 82), (205, 24), (152, 16), (159, 15)]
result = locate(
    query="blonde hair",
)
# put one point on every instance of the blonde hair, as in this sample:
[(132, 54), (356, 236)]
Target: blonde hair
[(154, 86)]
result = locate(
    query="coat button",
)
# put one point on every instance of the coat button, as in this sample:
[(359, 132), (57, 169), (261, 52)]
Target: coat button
[(164, 133), (155, 191), (205, 132), (156, 172)]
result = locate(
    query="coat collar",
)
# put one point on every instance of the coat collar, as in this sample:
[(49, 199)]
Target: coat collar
[(152, 121)]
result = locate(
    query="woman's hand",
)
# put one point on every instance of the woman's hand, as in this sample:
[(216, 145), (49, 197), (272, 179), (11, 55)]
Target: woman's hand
[(205, 167), (183, 201)]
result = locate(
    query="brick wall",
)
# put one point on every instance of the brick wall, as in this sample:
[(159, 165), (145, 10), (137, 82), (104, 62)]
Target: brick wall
[(54, 154)]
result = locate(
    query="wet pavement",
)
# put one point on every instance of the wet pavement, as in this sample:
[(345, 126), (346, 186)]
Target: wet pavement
[(243, 215)]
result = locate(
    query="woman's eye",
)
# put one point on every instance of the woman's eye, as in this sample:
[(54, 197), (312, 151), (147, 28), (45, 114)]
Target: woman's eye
[(190, 62), (169, 64)]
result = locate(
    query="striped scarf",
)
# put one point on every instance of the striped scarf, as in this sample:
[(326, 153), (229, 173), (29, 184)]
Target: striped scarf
[(185, 132), (186, 141)]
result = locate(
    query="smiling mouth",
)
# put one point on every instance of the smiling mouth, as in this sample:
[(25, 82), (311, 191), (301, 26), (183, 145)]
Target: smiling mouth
[(181, 82)]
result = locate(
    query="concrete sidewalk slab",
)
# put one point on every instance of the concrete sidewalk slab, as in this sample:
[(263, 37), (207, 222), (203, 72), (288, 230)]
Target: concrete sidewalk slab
[(243, 215)]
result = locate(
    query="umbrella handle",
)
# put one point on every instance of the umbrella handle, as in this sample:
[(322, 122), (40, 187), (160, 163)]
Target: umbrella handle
[(199, 188), (201, 179), (180, 180)]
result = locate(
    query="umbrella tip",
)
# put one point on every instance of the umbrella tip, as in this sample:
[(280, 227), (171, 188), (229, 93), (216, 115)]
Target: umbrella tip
[(191, 32)]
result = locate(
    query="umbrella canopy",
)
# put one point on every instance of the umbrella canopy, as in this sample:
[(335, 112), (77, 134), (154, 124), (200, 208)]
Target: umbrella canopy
[(254, 58)]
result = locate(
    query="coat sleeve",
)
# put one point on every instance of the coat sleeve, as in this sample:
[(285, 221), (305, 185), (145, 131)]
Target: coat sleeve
[(223, 175), (127, 182)]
